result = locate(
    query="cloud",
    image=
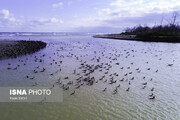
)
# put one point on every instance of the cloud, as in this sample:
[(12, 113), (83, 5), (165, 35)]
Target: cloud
[(141, 7), (101, 29), (55, 20), (118, 24), (7, 19), (150, 19), (56, 5), (6, 16), (46, 21), (9, 23), (43, 25), (128, 13)]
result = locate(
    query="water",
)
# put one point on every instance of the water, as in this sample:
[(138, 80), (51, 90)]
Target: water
[(90, 102)]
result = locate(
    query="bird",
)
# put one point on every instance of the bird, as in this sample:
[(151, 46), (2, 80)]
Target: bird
[(66, 78), (144, 87), (104, 89), (78, 86), (73, 93), (129, 83), (144, 83), (152, 89), (130, 72), (153, 97), (170, 65), (115, 91), (8, 68), (118, 86), (122, 79), (128, 89)]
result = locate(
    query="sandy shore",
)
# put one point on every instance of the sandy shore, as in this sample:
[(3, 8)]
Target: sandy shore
[(12, 49)]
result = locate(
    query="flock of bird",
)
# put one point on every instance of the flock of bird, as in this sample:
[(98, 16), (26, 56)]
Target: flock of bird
[(94, 66)]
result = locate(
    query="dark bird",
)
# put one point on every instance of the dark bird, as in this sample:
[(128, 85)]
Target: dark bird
[(66, 78), (137, 69), (144, 87), (115, 91), (15, 68), (104, 89), (170, 64), (152, 89), (145, 83), (35, 71), (73, 93), (78, 86), (122, 79), (153, 97), (127, 89), (129, 83), (43, 70), (8, 68), (118, 86)]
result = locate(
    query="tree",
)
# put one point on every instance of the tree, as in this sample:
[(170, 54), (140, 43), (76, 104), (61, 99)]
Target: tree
[(174, 18)]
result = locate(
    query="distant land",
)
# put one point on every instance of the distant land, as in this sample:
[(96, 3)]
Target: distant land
[(167, 33), (158, 33)]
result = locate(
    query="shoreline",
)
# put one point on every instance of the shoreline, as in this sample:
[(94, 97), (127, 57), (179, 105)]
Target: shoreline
[(168, 39), (13, 49)]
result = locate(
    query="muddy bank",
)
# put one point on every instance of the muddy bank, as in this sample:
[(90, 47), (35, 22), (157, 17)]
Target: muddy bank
[(168, 39), (13, 49), (116, 36)]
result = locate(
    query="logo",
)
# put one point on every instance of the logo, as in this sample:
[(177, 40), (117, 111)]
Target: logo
[(30, 92)]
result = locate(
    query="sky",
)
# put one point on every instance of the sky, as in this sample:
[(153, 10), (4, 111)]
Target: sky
[(83, 15)]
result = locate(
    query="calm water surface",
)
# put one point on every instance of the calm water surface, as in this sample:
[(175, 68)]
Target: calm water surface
[(143, 62)]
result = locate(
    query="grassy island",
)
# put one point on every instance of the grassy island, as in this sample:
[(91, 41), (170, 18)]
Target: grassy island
[(12, 49)]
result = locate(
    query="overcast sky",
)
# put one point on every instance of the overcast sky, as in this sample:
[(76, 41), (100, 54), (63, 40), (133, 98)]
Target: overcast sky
[(82, 15)]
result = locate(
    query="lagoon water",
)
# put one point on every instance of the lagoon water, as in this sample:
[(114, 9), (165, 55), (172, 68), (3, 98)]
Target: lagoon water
[(145, 61)]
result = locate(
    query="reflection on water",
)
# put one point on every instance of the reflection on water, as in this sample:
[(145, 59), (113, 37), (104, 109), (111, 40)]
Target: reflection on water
[(112, 79)]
